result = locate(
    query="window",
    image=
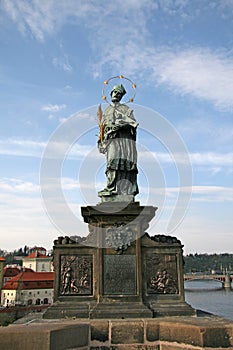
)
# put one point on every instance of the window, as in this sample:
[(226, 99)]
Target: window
[(46, 300), (37, 301), (30, 293), (29, 301), (38, 292), (46, 292)]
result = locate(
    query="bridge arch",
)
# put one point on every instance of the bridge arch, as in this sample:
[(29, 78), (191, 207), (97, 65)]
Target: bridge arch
[(221, 282), (225, 280)]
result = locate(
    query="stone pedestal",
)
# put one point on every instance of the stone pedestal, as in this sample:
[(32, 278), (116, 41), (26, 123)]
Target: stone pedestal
[(118, 271)]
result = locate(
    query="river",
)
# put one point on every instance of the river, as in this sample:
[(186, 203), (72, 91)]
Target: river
[(211, 297)]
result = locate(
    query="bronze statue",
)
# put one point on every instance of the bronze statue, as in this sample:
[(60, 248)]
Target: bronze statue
[(117, 140)]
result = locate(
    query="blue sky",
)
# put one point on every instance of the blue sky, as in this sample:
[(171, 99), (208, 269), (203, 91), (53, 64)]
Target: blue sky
[(54, 59)]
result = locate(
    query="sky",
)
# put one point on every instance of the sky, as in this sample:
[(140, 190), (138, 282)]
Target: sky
[(54, 59)]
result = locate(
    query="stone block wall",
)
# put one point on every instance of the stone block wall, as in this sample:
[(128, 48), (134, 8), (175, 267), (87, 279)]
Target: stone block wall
[(173, 333)]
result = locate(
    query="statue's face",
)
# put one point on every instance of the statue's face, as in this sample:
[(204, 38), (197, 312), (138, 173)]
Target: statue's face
[(116, 96)]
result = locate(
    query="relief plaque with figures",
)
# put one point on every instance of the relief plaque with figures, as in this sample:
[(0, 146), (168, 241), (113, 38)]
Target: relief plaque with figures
[(76, 275), (161, 274)]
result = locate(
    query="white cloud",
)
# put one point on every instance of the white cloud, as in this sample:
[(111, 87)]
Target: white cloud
[(62, 63), (172, 6), (53, 108), (38, 17), (79, 116), (17, 147), (62, 120), (198, 158), (212, 193), (214, 190), (23, 220), (199, 72), (205, 193), (70, 184), (215, 170), (28, 16), (211, 158), (44, 18), (227, 3), (207, 129), (12, 185), (83, 115), (29, 148)]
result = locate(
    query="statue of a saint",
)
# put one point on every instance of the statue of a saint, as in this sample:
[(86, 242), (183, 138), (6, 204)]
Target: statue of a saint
[(118, 141)]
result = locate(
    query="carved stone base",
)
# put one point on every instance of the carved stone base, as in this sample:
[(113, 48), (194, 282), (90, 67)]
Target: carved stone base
[(172, 309), (68, 310), (106, 310), (121, 310), (119, 271)]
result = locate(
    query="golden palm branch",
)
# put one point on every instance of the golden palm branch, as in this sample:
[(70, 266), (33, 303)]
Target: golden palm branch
[(101, 125)]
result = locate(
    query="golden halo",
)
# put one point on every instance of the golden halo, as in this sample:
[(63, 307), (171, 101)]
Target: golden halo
[(131, 99)]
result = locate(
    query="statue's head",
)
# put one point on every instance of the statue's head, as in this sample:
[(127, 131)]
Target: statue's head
[(117, 93)]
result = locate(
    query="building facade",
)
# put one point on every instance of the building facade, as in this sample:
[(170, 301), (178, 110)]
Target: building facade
[(38, 262), (2, 263), (9, 272), (28, 288)]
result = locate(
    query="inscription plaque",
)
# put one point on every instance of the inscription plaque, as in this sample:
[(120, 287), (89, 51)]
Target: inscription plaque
[(119, 274)]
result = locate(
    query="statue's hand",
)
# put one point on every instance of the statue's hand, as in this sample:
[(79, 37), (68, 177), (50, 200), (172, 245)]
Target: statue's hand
[(102, 148)]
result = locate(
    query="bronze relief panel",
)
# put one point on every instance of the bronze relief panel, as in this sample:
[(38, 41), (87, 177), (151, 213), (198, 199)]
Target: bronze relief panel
[(161, 274), (76, 273)]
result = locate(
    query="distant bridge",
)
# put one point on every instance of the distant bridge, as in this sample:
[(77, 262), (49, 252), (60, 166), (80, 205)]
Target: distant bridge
[(224, 279)]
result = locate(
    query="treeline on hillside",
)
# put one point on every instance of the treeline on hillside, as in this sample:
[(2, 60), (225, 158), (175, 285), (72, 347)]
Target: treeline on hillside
[(208, 263), (16, 256)]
